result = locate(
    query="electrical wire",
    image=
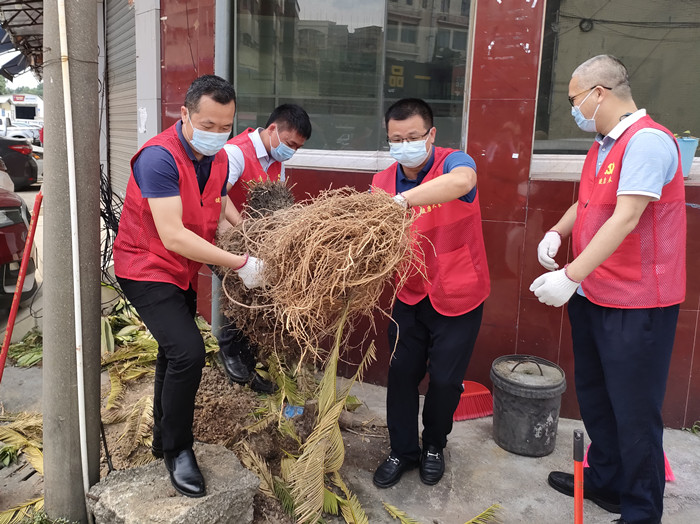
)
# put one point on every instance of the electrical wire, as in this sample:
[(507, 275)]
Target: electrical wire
[(110, 211)]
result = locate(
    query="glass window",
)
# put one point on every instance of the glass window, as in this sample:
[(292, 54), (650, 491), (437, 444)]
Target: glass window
[(657, 40), (459, 40), (409, 2), (408, 33), (465, 8), (345, 63)]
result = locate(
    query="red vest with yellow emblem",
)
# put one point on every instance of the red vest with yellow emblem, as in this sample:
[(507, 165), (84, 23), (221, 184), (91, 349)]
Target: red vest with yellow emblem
[(450, 258), (648, 268), (139, 254), (252, 170)]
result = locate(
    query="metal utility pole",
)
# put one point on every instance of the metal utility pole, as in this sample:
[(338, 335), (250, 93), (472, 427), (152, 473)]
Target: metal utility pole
[(63, 477)]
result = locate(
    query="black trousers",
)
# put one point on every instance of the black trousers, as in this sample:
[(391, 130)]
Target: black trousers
[(232, 342), (169, 312), (622, 358), (426, 340)]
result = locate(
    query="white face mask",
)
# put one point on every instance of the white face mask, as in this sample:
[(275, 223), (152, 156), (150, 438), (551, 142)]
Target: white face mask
[(585, 124), (409, 154), (207, 143)]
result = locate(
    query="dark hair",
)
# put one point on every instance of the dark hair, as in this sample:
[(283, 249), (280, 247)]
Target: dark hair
[(291, 116), (220, 90), (408, 107)]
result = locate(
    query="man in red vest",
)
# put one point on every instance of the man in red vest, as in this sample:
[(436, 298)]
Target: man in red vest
[(438, 310), (175, 200), (257, 155), (623, 288)]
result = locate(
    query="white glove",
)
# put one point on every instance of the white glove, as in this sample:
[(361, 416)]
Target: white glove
[(547, 250), (400, 200), (555, 288), (251, 272)]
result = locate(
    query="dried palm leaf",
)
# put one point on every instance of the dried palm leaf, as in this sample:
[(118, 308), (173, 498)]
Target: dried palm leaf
[(139, 424), (17, 514), (490, 514), (255, 463), (398, 514)]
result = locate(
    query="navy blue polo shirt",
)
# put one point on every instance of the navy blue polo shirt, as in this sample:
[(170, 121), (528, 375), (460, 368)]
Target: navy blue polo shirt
[(453, 160), (156, 174)]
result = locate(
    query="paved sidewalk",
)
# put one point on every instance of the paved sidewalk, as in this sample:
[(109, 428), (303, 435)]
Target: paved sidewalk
[(479, 473)]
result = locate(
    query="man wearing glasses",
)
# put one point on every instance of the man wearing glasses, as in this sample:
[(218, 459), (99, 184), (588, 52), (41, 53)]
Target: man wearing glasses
[(438, 309), (623, 288)]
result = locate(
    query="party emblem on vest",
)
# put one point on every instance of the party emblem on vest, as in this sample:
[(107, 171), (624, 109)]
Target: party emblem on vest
[(218, 200)]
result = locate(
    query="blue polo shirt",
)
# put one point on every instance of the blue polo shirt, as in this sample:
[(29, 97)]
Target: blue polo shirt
[(453, 160), (156, 174)]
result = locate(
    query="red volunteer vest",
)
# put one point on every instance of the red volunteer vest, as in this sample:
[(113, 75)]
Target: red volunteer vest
[(252, 171), (450, 249), (139, 253), (648, 268)]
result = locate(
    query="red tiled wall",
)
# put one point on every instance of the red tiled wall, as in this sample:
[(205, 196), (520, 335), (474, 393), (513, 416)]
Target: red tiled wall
[(187, 50), (516, 211)]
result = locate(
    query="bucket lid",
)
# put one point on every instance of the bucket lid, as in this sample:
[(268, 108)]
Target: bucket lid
[(528, 375)]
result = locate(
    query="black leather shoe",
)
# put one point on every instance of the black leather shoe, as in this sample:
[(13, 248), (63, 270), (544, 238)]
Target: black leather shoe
[(185, 475), (262, 385), (235, 369), (564, 483), (390, 471), (432, 465)]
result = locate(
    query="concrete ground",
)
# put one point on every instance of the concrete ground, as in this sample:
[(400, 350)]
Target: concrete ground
[(479, 473)]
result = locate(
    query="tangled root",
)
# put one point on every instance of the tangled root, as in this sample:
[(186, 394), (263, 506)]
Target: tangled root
[(335, 252)]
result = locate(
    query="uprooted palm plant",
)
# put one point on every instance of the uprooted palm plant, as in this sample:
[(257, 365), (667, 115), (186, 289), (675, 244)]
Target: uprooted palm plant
[(327, 262)]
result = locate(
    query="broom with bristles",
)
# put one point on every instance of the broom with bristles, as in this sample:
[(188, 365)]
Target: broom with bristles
[(476, 402)]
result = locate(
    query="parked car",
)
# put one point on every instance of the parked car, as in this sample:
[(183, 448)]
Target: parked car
[(14, 228), (17, 130), (21, 165)]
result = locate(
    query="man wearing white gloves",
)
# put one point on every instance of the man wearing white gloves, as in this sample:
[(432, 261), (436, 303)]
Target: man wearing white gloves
[(174, 203), (623, 288)]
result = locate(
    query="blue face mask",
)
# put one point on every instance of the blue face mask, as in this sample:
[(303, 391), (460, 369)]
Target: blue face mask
[(207, 143), (409, 154), (585, 124), (282, 152)]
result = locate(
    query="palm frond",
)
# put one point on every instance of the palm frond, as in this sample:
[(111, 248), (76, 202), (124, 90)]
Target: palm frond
[(284, 495), (116, 389), (11, 437), (398, 514), (35, 457), (331, 502), (352, 511), (490, 514), (265, 422), (114, 416), (286, 427), (25, 423), (139, 424), (17, 514), (106, 337), (307, 483), (255, 463)]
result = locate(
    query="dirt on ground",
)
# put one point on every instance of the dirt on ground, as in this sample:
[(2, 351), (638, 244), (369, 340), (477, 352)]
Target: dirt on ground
[(223, 412)]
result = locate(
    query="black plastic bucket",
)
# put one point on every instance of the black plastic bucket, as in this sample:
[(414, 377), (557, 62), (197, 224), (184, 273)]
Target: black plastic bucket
[(526, 400)]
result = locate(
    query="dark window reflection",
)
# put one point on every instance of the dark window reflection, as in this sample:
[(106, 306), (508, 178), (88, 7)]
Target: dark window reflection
[(656, 39), (346, 62)]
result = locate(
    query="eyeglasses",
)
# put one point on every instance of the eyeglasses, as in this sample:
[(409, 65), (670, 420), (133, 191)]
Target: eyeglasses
[(572, 99), (407, 139)]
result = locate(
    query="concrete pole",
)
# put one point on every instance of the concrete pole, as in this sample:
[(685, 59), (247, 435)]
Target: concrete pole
[(63, 486)]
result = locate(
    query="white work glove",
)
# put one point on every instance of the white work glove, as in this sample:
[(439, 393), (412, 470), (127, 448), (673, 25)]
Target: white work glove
[(251, 272), (547, 250), (555, 288), (400, 200)]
